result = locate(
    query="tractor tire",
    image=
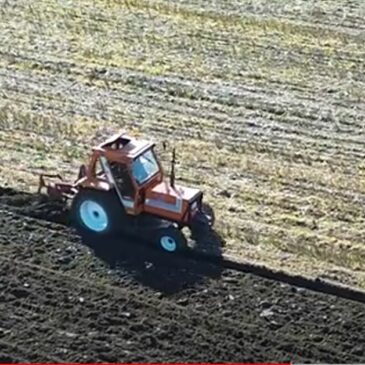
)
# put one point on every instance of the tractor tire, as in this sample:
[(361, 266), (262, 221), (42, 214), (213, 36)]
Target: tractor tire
[(97, 212), (208, 211), (171, 240)]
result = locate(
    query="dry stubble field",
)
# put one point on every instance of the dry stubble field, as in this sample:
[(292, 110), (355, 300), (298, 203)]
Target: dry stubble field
[(264, 99)]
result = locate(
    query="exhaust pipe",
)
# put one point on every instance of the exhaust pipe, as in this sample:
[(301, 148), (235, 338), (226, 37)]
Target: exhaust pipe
[(173, 162)]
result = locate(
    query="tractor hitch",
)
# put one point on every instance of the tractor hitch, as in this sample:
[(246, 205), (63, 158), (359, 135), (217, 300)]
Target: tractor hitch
[(57, 190)]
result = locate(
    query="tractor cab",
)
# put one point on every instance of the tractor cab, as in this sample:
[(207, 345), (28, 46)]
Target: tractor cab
[(131, 166), (127, 165)]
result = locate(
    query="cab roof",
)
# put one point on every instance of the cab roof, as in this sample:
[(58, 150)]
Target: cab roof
[(125, 145)]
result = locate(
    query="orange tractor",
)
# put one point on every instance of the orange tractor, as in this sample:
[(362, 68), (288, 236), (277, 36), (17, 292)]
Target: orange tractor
[(123, 190)]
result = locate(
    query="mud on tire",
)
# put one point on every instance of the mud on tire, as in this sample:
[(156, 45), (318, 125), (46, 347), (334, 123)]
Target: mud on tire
[(97, 212)]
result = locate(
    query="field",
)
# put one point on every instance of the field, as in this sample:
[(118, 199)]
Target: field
[(271, 94), (68, 301), (264, 101)]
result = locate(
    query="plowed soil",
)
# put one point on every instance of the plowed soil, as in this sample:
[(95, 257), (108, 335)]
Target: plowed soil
[(70, 299)]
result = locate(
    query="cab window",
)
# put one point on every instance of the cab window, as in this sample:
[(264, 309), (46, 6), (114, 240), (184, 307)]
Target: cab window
[(144, 167), (122, 179)]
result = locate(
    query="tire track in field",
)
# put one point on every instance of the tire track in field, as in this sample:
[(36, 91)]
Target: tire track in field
[(169, 83), (348, 21), (333, 21), (257, 111), (259, 130)]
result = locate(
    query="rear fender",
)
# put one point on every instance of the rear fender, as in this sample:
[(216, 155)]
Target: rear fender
[(95, 184)]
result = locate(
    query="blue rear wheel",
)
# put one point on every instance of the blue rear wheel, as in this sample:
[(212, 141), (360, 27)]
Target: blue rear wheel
[(98, 212), (94, 216)]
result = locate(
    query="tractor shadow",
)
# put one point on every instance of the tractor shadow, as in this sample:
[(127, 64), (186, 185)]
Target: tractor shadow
[(162, 272), (211, 244)]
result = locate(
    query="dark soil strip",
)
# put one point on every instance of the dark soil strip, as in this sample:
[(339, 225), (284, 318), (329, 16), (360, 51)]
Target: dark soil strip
[(80, 311), (317, 285), (40, 207)]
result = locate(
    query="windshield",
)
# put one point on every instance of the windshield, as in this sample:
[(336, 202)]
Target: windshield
[(144, 167)]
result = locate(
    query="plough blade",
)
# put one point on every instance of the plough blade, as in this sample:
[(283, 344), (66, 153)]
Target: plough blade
[(59, 190)]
